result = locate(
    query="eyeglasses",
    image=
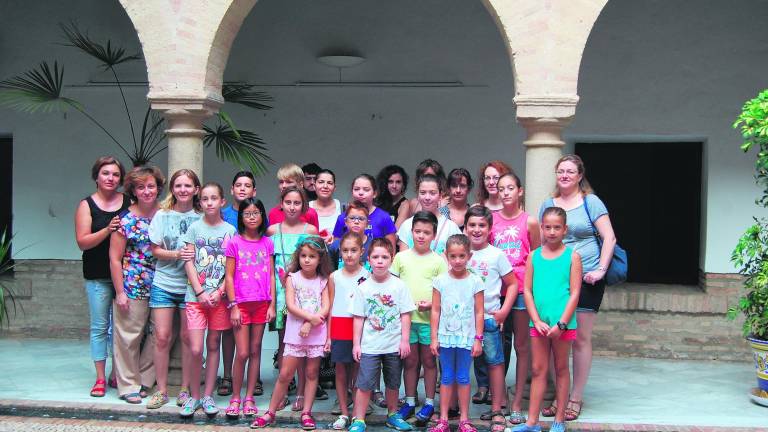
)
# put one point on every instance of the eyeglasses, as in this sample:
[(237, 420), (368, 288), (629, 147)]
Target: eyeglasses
[(251, 214), (357, 218), (569, 172), (491, 178)]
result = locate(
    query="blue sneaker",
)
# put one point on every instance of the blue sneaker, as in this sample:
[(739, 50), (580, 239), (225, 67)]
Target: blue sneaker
[(525, 428), (406, 411), (425, 413), (357, 426), (557, 427), (396, 421)]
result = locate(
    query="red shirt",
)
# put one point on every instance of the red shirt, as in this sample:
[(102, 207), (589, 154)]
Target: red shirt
[(310, 216)]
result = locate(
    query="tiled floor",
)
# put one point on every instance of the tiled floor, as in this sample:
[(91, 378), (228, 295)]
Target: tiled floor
[(620, 391)]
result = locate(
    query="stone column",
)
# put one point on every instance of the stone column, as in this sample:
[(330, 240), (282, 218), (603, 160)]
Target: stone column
[(185, 131), (544, 118), (184, 117)]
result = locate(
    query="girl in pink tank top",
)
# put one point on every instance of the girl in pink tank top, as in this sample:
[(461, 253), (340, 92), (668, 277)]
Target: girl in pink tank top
[(516, 233)]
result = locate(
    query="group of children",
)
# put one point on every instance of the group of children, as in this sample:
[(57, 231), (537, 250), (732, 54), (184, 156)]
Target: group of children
[(398, 301)]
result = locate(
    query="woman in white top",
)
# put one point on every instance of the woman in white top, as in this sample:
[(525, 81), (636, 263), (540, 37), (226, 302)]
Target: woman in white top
[(327, 207)]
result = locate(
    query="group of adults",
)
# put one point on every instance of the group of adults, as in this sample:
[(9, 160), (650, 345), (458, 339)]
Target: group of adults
[(97, 218)]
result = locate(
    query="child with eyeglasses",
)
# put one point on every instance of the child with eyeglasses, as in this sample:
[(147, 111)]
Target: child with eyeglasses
[(355, 220)]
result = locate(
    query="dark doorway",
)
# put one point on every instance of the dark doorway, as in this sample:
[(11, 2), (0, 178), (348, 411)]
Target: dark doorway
[(653, 193), (6, 189)]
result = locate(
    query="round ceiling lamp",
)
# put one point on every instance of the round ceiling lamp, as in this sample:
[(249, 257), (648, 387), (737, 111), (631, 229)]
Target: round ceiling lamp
[(341, 61)]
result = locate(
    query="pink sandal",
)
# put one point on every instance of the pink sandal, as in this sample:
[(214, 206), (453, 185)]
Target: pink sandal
[(249, 410), (466, 426), (307, 422), (233, 410), (266, 420), (440, 426)]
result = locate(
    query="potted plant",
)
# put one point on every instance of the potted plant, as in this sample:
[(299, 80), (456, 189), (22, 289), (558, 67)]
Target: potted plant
[(751, 253)]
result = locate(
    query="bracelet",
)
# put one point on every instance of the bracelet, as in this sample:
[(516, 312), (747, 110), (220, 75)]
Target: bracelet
[(199, 294), (231, 304)]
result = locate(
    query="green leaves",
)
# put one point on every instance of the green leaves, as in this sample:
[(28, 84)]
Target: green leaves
[(244, 94), (7, 296), (36, 90), (106, 54), (242, 148)]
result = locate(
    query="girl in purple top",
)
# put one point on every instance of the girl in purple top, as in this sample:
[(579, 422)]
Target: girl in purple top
[(308, 304), (250, 285), (379, 223)]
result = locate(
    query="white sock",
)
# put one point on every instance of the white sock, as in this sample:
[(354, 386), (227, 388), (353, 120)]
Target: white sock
[(410, 400), (429, 401)]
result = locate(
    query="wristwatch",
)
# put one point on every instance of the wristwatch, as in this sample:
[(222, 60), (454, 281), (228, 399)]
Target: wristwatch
[(562, 326), (479, 337)]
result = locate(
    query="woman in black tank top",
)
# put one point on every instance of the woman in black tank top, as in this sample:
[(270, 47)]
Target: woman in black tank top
[(95, 219)]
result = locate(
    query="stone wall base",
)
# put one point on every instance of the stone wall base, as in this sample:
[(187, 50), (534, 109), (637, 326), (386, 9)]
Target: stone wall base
[(636, 320)]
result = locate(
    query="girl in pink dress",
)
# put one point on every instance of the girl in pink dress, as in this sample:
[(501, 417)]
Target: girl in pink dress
[(308, 303), (516, 233)]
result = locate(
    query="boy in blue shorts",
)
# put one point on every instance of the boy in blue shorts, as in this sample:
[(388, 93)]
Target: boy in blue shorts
[(491, 265), (381, 308)]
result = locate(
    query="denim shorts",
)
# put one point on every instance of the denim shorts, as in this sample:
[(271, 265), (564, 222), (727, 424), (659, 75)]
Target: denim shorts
[(493, 347), (519, 303), (371, 366), (341, 351), (160, 298), (454, 365)]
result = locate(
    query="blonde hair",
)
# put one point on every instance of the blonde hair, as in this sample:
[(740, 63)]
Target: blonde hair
[(291, 171), (584, 187), (169, 201)]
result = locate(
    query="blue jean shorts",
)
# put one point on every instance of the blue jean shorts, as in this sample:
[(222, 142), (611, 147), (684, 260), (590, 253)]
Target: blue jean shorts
[(493, 347), (160, 298), (519, 303)]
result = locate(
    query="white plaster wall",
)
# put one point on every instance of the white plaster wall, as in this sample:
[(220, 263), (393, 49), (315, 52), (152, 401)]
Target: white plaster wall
[(680, 68)]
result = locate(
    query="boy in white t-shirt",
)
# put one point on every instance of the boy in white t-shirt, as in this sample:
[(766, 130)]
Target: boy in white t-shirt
[(491, 265), (381, 308)]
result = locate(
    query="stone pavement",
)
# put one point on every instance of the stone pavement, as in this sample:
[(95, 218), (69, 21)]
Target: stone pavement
[(54, 376)]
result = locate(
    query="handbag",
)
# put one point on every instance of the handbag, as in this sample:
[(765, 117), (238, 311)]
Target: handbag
[(617, 270)]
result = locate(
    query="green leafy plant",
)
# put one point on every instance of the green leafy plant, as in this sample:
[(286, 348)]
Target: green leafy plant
[(7, 296), (751, 252), (41, 90)]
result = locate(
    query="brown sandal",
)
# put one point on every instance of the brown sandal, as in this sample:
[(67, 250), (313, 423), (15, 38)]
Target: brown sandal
[(573, 410), (498, 425), (550, 411)]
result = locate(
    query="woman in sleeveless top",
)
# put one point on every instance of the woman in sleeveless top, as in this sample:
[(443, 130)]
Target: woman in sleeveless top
[(95, 220)]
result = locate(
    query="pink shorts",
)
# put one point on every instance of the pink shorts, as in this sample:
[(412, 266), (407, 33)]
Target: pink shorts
[(309, 351), (253, 312), (201, 318), (568, 335)]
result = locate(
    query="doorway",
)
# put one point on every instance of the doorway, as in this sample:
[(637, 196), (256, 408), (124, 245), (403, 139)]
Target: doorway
[(653, 194)]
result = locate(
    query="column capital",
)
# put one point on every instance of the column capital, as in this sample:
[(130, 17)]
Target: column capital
[(549, 106), (174, 107)]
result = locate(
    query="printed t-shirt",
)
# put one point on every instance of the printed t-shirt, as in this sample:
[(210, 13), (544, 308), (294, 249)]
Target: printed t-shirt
[(580, 236), (457, 309), (381, 304), (551, 287), (490, 265), (445, 228), (166, 231), (252, 268), (511, 236), (276, 216), (418, 272), (343, 292), (379, 224), (138, 261), (210, 242), (308, 297)]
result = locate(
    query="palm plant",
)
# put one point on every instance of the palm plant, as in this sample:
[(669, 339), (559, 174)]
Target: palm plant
[(7, 296), (40, 90)]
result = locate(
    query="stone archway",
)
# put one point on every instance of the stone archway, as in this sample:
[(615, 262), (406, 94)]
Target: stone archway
[(186, 46)]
